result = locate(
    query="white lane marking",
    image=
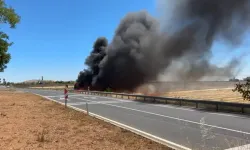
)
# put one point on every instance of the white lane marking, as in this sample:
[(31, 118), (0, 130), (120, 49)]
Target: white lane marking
[(134, 130), (102, 102), (243, 147), (89, 96), (105, 102), (79, 103), (94, 102), (228, 115), (214, 113), (184, 120), (187, 109), (63, 99), (61, 95), (159, 105)]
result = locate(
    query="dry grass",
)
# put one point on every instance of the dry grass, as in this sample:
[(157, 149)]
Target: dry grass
[(226, 95), (31, 122)]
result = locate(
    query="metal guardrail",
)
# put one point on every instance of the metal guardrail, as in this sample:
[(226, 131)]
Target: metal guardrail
[(218, 105), (180, 101)]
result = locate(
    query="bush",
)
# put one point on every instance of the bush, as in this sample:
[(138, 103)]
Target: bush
[(247, 78), (108, 90), (234, 80), (243, 89)]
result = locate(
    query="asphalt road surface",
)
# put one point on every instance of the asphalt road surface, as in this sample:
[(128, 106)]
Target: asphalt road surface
[(191, 128)]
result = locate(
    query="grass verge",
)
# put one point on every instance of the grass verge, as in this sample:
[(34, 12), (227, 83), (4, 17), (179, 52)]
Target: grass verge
[(31, 122)]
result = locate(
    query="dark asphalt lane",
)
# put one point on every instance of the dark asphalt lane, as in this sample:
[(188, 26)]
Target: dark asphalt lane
[(191, 128)]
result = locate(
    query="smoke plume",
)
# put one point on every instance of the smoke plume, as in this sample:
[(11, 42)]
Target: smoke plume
[(86, 77), (143, 47)]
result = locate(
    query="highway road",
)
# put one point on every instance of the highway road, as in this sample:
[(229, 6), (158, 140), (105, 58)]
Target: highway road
[(188, 127)]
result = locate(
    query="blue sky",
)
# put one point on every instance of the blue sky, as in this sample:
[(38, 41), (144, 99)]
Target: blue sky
[(55, 36)]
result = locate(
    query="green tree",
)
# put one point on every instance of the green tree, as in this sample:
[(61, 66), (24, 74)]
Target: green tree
[(247, 78), (7, 16), (243, 89)]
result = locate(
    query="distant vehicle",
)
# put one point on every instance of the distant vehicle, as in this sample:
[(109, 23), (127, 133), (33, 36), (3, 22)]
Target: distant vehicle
[(8, 86)]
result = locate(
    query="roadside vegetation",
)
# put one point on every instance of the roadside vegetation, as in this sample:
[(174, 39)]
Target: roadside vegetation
[(43, 84), (243, 89), (10, 17), (31, 122)]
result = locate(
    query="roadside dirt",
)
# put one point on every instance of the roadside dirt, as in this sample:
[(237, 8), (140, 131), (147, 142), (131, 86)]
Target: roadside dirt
[(31, 122)]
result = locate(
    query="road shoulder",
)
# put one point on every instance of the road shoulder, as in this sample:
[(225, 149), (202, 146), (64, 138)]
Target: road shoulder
[(32, 122)]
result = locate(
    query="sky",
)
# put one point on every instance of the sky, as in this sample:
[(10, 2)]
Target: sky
[(54, 37)]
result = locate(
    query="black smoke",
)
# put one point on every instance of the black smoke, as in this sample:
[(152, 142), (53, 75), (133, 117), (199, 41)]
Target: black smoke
[(86, 77), (142, 47)]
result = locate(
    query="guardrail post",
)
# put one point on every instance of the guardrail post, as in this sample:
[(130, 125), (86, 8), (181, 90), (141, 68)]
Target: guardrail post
[(242, 109), (154, 100), (196, 104), (180, 102), (128, 97), (217, 107), (87, 108), (136, 98), (166, 101), (65, 101)]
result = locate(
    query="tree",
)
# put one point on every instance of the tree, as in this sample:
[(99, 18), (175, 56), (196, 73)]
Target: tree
[(243, 89), (234, 80), (247, 78), (4, 82), (7, 16)]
